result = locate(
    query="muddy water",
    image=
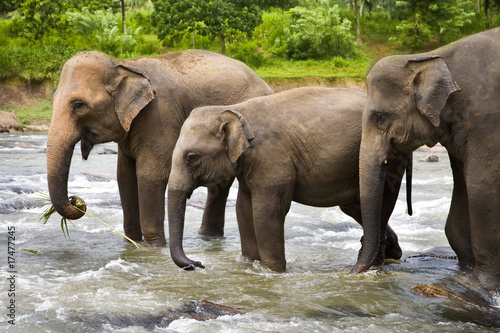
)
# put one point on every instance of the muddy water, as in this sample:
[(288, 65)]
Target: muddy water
[(97, 282)]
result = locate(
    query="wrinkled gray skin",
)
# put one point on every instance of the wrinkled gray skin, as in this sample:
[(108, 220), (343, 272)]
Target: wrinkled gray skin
[(451, 96), (300, 145), (141, 104)]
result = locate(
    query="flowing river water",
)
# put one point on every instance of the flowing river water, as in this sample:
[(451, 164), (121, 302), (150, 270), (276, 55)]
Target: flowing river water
[(98, 282)]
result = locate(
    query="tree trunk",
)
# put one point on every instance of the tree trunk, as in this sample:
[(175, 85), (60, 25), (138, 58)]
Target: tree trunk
[(194, 38), (123, 17), (487, 12), (358, 34), (223, 44)]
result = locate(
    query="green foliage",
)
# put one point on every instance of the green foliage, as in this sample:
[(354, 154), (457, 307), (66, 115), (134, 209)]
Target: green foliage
[(428, 19), (319, 33), (94, 5), (276, 38), (100, 30), (33, 63), (173, 17), (40, 17), (216, 18), (33, 114)]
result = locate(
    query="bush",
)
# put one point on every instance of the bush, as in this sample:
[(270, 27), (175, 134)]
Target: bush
[(100, 30), (319, 33), (33, 63)]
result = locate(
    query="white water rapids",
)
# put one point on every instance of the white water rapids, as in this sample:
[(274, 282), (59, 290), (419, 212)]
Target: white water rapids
[(98, 282)]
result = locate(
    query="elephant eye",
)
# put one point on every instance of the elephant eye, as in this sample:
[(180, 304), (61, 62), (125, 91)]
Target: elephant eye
[(192, 158), (380, 118), (79, 107)]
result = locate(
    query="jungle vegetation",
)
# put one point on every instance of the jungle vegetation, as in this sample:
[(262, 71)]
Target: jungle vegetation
[(280, 38)]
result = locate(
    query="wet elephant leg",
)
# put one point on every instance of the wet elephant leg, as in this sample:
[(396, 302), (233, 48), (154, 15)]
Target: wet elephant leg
[(457, 226), (152, 210), (215, 208), (127, 185), (270, 206), (244, 215), (483, 189)]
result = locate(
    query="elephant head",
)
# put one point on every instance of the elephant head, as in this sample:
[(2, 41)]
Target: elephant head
[(95, 102), (206, 154), (406, 96)]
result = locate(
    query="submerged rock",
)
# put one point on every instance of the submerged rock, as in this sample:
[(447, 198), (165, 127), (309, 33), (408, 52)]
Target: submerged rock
[(200, 310), (430, 158), (465, 306)]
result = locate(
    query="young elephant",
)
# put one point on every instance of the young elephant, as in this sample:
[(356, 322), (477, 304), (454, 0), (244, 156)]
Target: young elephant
[(300, 145)]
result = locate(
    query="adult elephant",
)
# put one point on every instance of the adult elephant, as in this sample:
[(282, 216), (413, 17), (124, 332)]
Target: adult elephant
[(451, 96), (299, 145), (141, 104)]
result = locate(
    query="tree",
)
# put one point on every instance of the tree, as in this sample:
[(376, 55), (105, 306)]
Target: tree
[(175, 16), (40, 17), (224, 17), (215, 18), (428, 19)]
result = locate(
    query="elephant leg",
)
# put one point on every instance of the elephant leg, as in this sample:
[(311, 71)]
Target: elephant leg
[(152, 209), (215, 208), (457, 227), (249, 247), (483, 189), (127, 186), (270, 206), (392, 249)]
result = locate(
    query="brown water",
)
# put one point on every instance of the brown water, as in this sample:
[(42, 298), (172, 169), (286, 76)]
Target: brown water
[(97, 282)]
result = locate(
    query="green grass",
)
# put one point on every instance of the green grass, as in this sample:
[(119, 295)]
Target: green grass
[(334, 68), (40, 113)]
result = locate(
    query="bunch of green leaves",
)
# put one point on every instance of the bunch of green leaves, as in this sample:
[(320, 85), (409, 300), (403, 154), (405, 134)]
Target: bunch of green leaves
[(82, 207), (64, 221)]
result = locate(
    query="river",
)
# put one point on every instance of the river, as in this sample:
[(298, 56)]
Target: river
[(95, 281)]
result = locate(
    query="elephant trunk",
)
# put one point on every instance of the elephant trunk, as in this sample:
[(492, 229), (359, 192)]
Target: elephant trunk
[(372, 168), (59, 153), (176, 215)]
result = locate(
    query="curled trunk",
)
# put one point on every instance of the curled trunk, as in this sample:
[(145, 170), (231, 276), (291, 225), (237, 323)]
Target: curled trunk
[(176, 215), (59, 153)]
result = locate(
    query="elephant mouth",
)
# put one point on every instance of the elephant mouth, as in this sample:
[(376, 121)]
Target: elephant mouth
[(87, 143)]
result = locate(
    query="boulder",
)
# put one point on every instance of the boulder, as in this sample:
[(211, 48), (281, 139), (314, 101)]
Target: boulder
[(430, 158), (9, 124)]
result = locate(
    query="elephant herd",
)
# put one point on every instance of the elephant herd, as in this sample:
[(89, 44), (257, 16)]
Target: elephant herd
[(195, 118)]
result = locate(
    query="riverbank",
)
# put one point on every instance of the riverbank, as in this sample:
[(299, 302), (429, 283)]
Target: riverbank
[(31, 104)]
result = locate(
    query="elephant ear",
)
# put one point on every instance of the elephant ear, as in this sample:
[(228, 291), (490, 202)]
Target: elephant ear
[(432, 85), (132, 91), (235, 132)]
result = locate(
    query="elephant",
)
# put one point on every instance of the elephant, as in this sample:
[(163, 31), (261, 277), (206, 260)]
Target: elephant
[(451, 96), (297, 145), (140, 104)]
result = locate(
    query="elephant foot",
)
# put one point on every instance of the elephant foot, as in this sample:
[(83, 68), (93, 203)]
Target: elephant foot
[(155, 242), (210, 232), (392, 250), (385, 251)]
